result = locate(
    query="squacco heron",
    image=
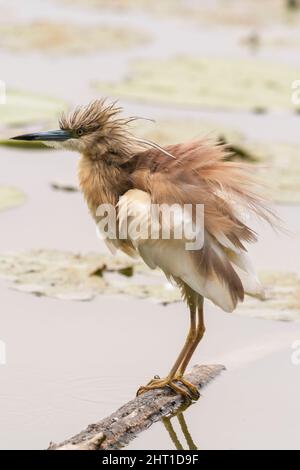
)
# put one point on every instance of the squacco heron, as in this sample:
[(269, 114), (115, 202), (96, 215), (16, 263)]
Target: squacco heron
[(132, 174)]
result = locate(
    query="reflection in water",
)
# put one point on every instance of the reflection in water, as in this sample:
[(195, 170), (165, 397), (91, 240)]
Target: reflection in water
[(184, 428)]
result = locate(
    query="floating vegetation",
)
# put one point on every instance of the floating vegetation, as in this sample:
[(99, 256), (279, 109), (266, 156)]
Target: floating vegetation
[(220, 12), (24, 145), (65, 38), (82, 277), (282, 298), (22, 110), (281, 170), (27, 108), (246, 14), (208, 83), (10, 197), (158, 6), (284, 39)]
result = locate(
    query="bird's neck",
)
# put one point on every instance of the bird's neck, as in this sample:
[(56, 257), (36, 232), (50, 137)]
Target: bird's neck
[(101, 181)]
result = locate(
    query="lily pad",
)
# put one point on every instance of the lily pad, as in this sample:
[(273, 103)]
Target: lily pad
[(82, 277), (60, 275), (10, 197), (27, 108), (161, 7), (282, 298), (286, 39), (72, 276), (62, 38), (282, 169), (19, 144), (228, 13), (208, 83), (244, 14)]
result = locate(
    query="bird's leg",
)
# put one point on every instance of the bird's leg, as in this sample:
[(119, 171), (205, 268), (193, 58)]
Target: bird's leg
[(199, 334), (172, 378)]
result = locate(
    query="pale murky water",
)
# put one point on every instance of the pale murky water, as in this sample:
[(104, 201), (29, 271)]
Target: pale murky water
[(71, 363)]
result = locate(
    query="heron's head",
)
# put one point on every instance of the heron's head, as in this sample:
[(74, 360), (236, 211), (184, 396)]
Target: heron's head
[(93, 129), (96, 131)]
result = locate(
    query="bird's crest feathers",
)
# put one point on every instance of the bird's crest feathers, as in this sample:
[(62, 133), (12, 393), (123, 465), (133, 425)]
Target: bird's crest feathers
[(91, 117), (99, 115)]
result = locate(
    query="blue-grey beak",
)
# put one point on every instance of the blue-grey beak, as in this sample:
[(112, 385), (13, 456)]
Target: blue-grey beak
[(58, 136)]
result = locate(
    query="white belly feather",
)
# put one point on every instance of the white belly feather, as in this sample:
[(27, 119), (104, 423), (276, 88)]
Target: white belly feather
[(175, 260)]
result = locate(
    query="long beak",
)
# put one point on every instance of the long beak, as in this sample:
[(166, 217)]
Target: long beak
[(58, 136)]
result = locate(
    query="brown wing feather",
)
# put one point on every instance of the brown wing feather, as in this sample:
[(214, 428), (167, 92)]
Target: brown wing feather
[(201, 174)]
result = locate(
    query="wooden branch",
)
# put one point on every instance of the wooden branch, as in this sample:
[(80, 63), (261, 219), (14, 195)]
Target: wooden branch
[(118, 429)]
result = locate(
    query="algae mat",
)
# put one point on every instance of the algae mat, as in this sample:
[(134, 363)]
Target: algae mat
[(26, 108), (220, 12), (61, 38), (72, 276), (248, 84), (23, 109)]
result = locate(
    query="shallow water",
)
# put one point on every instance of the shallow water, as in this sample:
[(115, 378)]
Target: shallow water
[(71, 363)]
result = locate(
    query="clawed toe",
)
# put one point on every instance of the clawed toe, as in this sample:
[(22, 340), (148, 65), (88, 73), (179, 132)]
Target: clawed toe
[(188, 390), (191, 387)]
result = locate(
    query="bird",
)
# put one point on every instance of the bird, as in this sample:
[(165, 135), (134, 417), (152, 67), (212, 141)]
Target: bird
[(132, 175)]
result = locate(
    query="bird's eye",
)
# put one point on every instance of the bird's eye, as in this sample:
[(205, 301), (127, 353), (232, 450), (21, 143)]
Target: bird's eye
[(80, 132)]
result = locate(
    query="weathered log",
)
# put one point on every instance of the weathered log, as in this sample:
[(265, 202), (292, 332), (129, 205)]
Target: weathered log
[(118, 429)]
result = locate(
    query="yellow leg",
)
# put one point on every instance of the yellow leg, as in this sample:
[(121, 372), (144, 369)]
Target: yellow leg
[(188, 342), (175, 375), (199, 335), (197, 338)]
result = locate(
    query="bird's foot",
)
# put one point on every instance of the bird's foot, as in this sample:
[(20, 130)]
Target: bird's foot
[(191, 387), (188, 390)]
